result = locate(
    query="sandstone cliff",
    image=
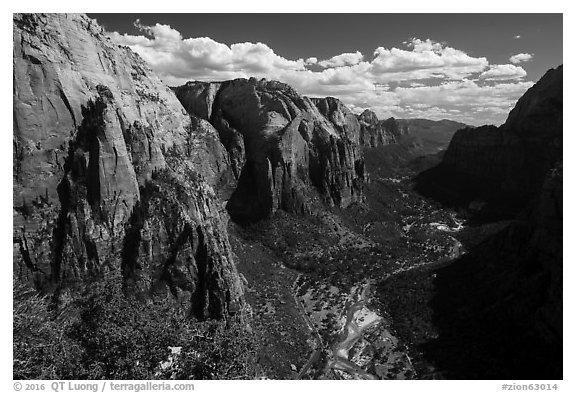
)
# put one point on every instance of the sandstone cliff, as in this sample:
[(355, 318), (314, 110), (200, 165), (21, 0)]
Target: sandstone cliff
[(505, 294), (507, 162), (281, 145), (110, 172), (375, 132)]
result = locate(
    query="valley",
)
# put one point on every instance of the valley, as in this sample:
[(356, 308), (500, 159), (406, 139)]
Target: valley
[(326, 272), (238, 229)]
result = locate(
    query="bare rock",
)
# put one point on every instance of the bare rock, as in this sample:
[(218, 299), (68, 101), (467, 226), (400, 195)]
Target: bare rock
[(373, 132), (93, 128), (508, 162), (283, 149)]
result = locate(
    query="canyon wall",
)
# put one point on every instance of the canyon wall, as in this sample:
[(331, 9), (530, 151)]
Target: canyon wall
[(286, 150), (110, 172), (507, 162)]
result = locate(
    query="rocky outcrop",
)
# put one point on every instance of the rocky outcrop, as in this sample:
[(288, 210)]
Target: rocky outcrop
[(538, 113), (285, 149), (508, 162), (505, 294), (375, 132), (342, 119), (110, 172), (397, 127)]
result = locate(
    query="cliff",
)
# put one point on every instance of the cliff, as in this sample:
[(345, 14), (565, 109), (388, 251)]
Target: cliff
[(488, 164), (503, 298), (375, 132), (110, 172), (499, 307), (285, 149)]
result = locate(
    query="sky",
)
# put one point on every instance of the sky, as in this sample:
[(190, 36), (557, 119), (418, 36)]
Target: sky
[(464, 67)]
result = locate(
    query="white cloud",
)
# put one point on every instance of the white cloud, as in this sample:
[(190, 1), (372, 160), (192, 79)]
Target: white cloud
[(423, 79), (345, 59), (503, 72), (461, 94), (427, 59), (312, 60), (520, 57), (177, 60)]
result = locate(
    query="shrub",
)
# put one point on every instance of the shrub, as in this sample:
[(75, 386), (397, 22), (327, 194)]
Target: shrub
[(41, 349), (108, 334), (123, 337)]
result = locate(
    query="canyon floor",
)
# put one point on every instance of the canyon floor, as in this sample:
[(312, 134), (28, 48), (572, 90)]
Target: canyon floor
[(330, 292)]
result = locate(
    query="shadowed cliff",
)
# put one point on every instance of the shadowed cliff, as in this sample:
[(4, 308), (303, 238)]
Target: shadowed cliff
[(497, 170)]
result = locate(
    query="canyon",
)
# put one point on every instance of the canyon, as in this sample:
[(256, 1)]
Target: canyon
[(345, 246)]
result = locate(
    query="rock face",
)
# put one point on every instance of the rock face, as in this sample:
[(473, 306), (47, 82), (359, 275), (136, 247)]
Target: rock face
[(110, 172), (281, 146), (545, 219), (507, 162), (375, 132), (511, 284), (502, 301)]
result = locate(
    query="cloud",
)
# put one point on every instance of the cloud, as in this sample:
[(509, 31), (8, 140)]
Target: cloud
[(465, 101), (427, 59), (423, 78), (311, 60), (461, 94), (503, 72), (176, 59), (345, 59), (517, 37), (520, 57)]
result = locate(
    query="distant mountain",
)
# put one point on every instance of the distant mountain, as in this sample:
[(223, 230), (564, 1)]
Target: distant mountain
[(397, 144), (148, 214), (429, 136)]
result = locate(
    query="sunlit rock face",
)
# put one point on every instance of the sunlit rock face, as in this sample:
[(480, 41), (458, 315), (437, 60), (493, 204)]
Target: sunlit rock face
[(285, 149), (375, 132), (103, 152)]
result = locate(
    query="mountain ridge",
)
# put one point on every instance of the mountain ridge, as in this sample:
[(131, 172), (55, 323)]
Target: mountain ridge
[(252, 213), (95, 133)]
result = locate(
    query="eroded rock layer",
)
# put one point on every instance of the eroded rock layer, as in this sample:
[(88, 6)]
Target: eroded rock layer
[(280, 144), (110, 172), (375, 132)]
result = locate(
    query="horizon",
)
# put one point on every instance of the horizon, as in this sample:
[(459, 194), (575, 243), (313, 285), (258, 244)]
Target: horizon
[(469, 68), (254, 229)]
